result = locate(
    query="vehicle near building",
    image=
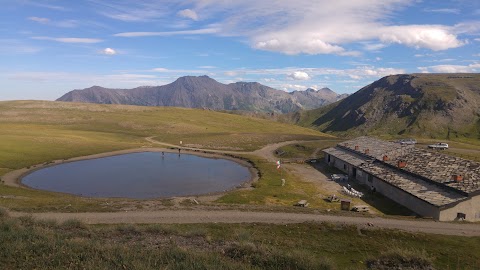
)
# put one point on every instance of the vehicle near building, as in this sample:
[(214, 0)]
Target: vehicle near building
[(439, 146), (339, 177), (409, 141)]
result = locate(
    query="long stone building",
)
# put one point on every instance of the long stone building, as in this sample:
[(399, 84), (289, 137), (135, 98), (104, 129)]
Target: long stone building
[(429, 183)]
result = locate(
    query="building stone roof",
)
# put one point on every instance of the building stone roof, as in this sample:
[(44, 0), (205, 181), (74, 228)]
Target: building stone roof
[(427, 175), (375, 148), (440, 168), (423, 190), (349, 157)]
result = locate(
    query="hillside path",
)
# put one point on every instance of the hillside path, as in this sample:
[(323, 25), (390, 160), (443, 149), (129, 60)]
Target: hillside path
[(266, 152), (181, 216)]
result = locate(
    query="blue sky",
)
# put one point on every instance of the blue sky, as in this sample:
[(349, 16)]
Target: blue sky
[(49, 47)]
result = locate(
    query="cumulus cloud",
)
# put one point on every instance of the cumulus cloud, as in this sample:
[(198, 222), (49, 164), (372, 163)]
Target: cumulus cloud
[(293, 87), (433, 37), (308, 45), (70, 40), (109, 51), (326, 27), (299, 76), (189, 14)]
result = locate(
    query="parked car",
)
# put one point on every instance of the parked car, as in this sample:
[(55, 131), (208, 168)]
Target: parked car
[(361, 208), (339, 177), (439, 146), (407, 141)]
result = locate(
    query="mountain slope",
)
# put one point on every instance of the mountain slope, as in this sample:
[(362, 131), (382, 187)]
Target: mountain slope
[(205, 92), (426, 105)]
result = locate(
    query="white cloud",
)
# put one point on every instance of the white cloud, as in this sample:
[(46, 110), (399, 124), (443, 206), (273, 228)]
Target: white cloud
[(121, 80), (181, 72), (364, 72), (70, 40), (168, 33), (188, 13), (160, 70), (444, 10), (138, 11), (299, 76), (109, 51), (325, 27), (293, 87), (39, 19), (37, 4), (451, 68), (374, 46), (308, 45), (230, 73), (207, 67), (47, 21), (431, 37)]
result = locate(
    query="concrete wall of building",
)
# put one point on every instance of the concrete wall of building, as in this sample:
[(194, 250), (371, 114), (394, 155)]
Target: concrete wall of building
[(338, 163), (470, 207), (406, 199)]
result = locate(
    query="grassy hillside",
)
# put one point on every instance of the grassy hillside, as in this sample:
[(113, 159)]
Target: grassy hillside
[(423, 105), (32, 132)]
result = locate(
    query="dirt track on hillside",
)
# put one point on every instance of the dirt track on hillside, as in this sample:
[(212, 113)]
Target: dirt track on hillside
[(232, 216)]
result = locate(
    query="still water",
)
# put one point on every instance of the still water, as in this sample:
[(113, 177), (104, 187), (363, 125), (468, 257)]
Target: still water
[(141, 176)]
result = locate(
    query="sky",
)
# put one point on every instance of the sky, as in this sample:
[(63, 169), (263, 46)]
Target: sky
[(49, 47)]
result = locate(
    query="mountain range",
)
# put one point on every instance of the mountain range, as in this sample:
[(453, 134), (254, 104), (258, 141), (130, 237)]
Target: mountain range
[(205, 92), (423, 105)]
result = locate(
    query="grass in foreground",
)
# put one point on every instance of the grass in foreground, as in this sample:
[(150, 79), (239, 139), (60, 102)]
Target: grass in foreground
[(28, 244)]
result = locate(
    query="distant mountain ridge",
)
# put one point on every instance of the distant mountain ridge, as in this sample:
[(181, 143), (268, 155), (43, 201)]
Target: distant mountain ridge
[(425, 105), (205, 92)]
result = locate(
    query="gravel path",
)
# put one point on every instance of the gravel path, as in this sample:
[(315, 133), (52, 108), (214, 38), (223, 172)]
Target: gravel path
[(232, 216)]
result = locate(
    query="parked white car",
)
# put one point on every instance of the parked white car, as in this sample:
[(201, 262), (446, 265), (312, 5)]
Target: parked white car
[(339, 177), (439, 146), (407, 141)]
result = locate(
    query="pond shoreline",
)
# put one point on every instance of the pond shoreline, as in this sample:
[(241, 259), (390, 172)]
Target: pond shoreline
[(14, 178)]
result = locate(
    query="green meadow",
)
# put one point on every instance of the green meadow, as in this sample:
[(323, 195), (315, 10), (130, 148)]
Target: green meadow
[(38, 132)]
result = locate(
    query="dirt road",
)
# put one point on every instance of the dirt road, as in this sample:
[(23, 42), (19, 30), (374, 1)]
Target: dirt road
[(232, 216)]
